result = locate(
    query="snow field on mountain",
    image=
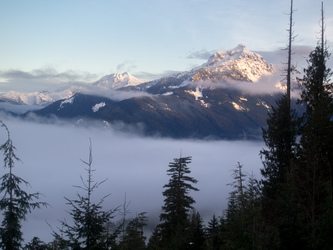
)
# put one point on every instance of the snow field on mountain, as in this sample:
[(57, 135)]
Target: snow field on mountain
[(252, 65), (96, 107), (197, 93), (67, 101)]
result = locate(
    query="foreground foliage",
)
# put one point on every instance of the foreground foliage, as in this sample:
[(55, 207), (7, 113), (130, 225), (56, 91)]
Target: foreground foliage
[(88, 230), (15, 203)]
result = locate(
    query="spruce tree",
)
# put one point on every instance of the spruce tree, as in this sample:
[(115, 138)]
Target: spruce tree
[(15, 203), (213, 234), (36, 244), (88, 230), (134, 237), (197, 239), (315, 179), (280, 137), (177, 205), (156, 240)]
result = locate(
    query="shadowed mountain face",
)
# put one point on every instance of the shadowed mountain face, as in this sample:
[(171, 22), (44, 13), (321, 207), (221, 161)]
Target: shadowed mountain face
[(205, 102), (188, 112)]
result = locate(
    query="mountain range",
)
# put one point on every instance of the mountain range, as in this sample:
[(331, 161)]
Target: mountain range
[(227, 97)]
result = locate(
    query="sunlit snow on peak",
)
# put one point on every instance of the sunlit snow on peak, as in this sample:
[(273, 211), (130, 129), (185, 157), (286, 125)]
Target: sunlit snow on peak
[(116, 81), (238, 63)]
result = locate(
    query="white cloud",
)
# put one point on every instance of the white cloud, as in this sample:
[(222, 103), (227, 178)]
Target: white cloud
[(112, 94), (266, 85)]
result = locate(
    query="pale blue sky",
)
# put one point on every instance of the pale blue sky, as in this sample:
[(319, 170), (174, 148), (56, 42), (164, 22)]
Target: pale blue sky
[(51, 44)]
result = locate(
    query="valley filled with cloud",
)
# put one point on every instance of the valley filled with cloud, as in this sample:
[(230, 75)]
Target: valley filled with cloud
[(51, 157)]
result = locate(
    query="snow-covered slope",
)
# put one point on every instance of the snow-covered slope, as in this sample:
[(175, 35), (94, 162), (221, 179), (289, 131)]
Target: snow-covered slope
[(238, 63), (117, 81), (42, 98)]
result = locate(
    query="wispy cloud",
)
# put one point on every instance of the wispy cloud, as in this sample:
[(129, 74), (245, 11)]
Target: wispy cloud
[(200, 54), (278, 57), (270, 84), (116, 95), (143, 75), (41, 79), (126, 66), (47, 73)]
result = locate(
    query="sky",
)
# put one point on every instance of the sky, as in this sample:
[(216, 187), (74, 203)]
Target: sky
[(51, 157), (50, 45)]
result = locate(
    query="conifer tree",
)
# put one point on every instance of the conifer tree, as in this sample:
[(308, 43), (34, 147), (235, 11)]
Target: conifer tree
[(213, 234), (315, 179), (124, 221), (36, 244), (15, 203), (177, 205), (217, 232), (134, 237), (197, 239), (239, 193), (244, 226), (156, 240), (279, 159), (280, 134), (88, 230)]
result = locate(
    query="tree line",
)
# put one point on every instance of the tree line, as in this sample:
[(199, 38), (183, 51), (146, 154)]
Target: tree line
[(290, 206)]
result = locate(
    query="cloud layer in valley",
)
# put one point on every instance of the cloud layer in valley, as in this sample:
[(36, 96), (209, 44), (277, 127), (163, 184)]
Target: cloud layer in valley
[(136, 166)]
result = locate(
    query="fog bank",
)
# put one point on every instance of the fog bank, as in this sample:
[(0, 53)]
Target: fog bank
[(51, 162)]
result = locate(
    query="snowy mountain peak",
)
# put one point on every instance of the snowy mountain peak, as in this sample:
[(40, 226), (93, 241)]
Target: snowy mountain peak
[(238, 63), (239, 52), (117, 81)]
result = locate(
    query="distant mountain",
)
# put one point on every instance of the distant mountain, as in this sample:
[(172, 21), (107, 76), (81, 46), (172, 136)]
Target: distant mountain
[(117, 81), (198, 103), (204, 113), (238, 64), (42, 98)]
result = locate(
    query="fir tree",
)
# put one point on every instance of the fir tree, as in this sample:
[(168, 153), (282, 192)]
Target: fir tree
[(134, 237), (177, 204), (279, 159), (15, 203), (197, 237), (89, 230), (36, 244), (156, 240), (315, 179), (123, 223), (213, 233), (236, 211)]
